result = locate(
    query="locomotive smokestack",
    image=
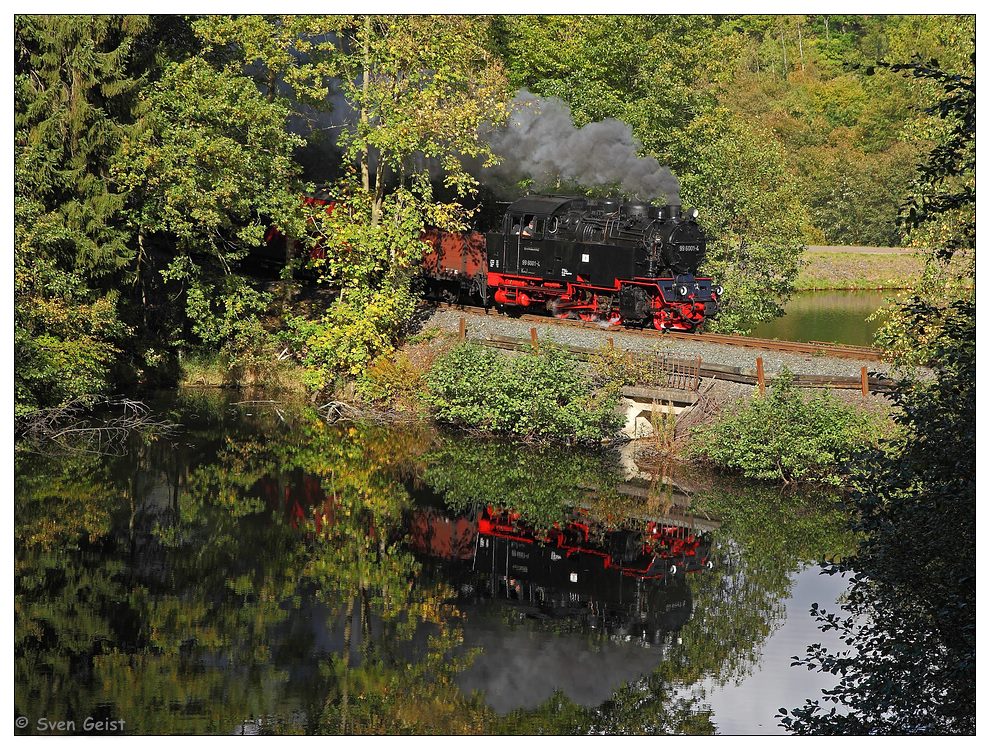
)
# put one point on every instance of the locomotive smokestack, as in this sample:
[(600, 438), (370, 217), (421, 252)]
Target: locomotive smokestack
[(540, 142)]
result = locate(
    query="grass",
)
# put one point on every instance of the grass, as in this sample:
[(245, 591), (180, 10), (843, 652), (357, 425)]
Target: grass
[(212, 371), (824, 270)]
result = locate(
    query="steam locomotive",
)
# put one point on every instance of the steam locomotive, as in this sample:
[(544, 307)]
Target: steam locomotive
[(598, 260)]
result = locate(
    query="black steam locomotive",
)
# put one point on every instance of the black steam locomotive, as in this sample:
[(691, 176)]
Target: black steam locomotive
[(597, 260)]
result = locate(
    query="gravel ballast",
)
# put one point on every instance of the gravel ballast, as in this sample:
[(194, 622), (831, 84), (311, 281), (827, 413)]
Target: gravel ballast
[(485, 326)]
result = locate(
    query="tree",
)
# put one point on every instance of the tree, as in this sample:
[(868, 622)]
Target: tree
[(419, 86), (751, 212), (207, 173), (940, 216), (74, 98), (416, 91), (912, 601)]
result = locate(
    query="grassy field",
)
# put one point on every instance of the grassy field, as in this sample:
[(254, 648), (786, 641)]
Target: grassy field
[(854, 270)]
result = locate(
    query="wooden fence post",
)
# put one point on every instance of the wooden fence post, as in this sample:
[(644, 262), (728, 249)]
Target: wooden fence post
[(462, 329), (865, 380), (759, 375), (697, 374), (534, 340), (611, 342)]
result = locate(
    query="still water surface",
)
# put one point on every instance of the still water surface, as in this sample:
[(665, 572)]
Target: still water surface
[(836, 316), (262, 571)]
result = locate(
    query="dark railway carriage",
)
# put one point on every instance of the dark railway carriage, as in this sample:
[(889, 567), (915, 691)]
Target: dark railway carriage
[(629, 263)]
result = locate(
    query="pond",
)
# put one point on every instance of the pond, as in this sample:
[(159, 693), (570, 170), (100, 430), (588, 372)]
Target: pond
[(261, 571), (836, 316)]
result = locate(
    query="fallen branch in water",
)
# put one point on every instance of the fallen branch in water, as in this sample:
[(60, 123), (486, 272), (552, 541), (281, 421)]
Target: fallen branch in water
[(340, 411), (90, 424)]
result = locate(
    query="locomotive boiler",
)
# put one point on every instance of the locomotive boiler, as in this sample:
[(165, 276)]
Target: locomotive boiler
[(598, 260)]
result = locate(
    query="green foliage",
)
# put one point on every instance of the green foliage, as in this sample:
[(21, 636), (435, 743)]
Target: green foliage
[(352, 333), (942, 212), (787, 436), (66, 337), (941, 217), (487, 471), (853, 197), (74, 100), (911, 608), (544, 395), (910, 340), (420, 86), (394, 381), (211, 165), (282, 53), (751, 211)]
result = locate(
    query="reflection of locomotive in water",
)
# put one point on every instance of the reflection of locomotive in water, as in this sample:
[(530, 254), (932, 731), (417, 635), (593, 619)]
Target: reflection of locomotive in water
[(629, 263), (628, 582)]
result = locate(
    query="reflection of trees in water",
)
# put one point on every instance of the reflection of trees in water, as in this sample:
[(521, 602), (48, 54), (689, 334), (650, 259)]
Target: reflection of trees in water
[(764, 538), (167, 587), (131, 584), (185, 586)]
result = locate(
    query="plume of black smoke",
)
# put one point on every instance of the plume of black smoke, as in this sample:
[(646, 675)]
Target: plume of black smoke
[(540, 142)]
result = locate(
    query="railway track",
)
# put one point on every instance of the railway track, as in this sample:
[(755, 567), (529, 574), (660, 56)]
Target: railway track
[(812, 348)]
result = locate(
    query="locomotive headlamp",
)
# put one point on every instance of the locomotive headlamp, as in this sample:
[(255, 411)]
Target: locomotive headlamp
[(718, 290), (682, 290), (693, 213)]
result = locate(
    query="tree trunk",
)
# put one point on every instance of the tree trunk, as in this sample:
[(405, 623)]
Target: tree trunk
[(365, 84), (801, 48)]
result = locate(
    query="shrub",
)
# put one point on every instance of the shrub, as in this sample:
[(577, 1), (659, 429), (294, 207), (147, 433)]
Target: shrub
[(544, 395), (351, 334), (788, 436), (394, 381), (66, 337)]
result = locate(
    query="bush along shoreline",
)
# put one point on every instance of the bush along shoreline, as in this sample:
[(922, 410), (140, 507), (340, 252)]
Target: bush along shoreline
[(789, 436), (539, 395)]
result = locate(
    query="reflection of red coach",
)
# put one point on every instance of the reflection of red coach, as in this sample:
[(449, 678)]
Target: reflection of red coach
[(434, 533)]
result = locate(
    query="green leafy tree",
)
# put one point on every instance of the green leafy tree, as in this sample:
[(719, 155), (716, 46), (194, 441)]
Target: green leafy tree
[(751, 210), (911, 608), (210, 169), (75, 94), (75, 88), (941, 217), (910, 616), (417, 90)]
